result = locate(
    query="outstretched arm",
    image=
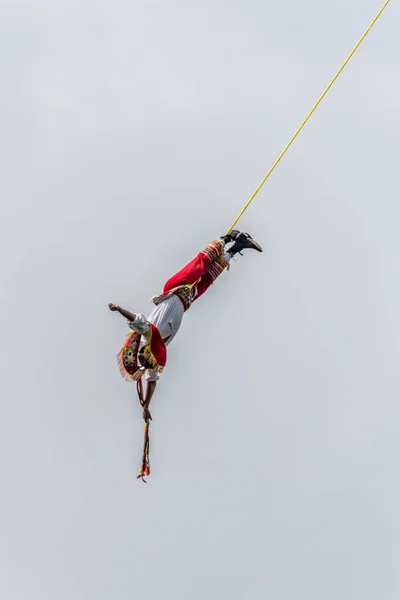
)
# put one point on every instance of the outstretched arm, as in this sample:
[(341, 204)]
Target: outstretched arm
[(125, 313), (150, 389)]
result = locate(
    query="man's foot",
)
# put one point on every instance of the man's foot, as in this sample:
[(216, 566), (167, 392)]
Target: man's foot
[(242, 241), (230, 237)]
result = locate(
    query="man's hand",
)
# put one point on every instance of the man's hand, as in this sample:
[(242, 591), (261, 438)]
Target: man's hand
[(146, 415), (125, 313)]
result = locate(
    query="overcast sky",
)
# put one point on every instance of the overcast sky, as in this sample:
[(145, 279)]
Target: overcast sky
[(131, 134)]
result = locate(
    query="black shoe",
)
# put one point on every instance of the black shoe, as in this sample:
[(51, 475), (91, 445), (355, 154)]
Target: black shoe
[(230, 237), (242, 241)]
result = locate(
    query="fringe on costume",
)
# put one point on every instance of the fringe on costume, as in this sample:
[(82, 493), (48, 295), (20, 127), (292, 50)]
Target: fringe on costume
[(127, 357), (148, 355), (214, 250), (215, 270), (218, 267)]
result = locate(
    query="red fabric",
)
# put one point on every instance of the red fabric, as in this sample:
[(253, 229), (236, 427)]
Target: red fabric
[(197, 268), (204, 284), (157, 346)]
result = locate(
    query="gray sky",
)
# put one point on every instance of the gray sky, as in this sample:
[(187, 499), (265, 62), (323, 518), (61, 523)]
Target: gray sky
[(131, 135)]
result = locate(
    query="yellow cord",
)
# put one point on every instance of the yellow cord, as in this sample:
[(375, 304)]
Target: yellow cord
[(308, 116)]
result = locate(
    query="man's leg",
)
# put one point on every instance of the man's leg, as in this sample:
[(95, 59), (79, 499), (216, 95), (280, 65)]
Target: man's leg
[(197, 267), (241, 242), (214, 271)]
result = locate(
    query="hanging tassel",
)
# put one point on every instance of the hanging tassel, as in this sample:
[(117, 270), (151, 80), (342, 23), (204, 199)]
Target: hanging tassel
[(145, 468)]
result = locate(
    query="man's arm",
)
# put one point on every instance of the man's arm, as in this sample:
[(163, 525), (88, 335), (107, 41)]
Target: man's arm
[(125, 313), (151, 385), (150, 389)]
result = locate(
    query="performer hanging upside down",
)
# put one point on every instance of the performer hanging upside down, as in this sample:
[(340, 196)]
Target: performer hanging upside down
[(144, 350)]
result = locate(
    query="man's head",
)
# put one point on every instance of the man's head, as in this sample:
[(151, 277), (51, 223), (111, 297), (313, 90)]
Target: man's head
[(144, 360)]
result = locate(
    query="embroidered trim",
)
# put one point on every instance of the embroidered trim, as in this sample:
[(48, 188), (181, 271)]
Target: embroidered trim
[(214, 250), (215, 270), (184, 292), (128, 357)]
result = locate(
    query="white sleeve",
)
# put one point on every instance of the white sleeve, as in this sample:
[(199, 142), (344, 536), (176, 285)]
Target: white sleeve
[(140, 324)]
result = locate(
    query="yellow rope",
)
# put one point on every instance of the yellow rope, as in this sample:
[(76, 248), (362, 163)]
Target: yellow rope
[(308, 116)]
